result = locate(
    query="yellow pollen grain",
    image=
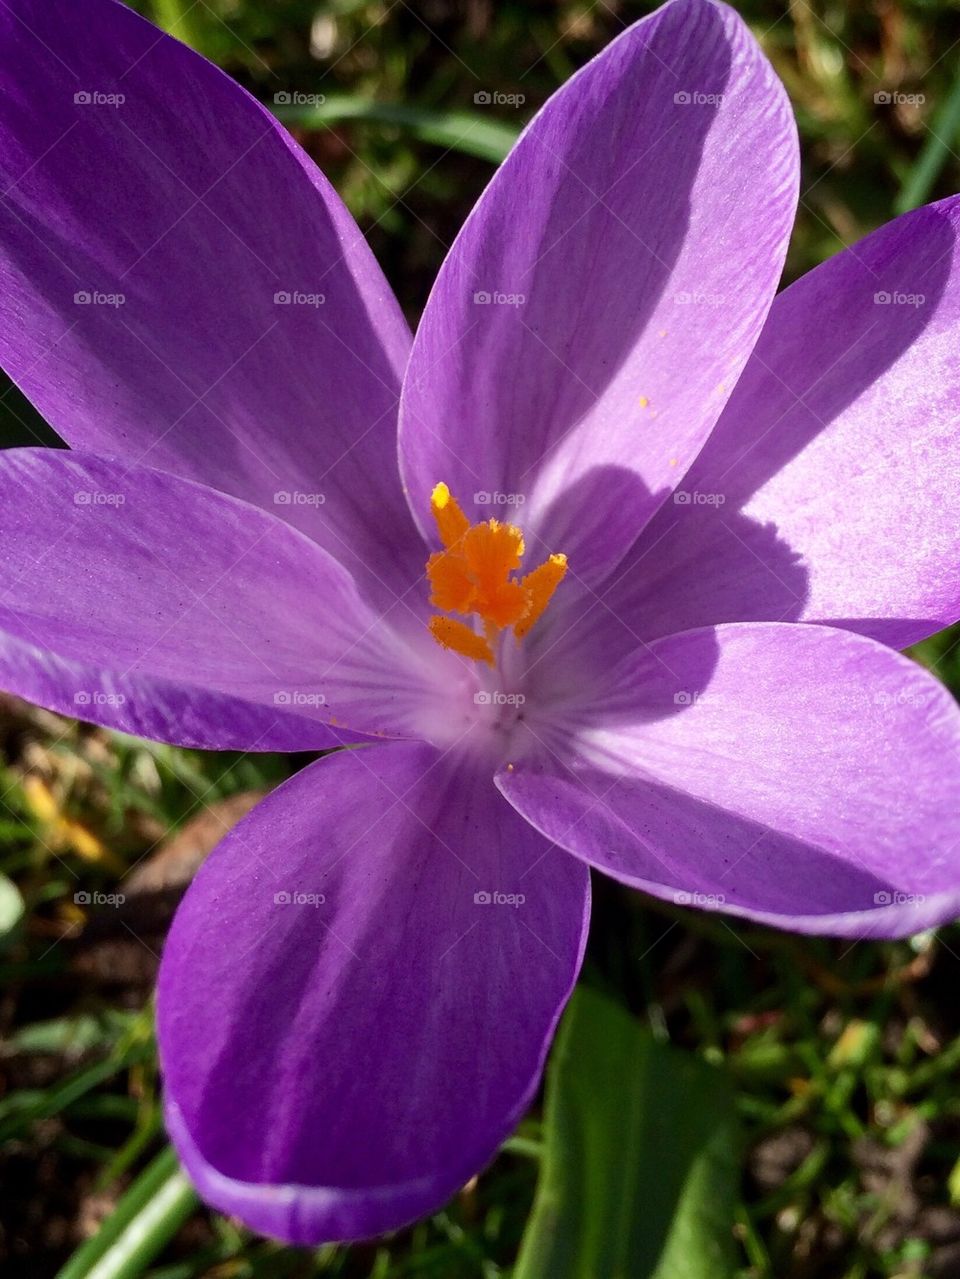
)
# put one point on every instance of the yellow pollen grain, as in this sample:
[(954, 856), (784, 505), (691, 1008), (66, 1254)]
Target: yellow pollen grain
[(643, 401)]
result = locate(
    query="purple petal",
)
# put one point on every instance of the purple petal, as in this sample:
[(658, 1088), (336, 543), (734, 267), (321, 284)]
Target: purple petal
[(837, 459), (153, 605), (348, 1029), (189, 200), (797, 775), (642, 218)]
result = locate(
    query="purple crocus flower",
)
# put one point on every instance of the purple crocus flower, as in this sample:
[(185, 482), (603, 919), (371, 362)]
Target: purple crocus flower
[(670, 656)]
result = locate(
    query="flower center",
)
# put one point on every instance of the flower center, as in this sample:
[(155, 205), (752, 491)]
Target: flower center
[(474, 575)]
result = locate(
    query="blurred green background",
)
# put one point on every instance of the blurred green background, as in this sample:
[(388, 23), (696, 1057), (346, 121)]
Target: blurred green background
[(844, 1059)]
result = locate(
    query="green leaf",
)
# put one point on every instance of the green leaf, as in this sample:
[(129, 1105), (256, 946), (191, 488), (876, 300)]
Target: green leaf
[(177, 18), (640, 1169), (455, 130), (144, 1221)]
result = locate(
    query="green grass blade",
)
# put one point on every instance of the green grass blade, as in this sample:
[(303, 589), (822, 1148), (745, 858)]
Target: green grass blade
[(943, 136), (456, 130), (18, 1112), (143, 1222)]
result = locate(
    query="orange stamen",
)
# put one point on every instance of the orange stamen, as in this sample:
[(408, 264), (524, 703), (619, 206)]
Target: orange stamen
[(451, 521), (540, 586), (473, 574), (449, 633)]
